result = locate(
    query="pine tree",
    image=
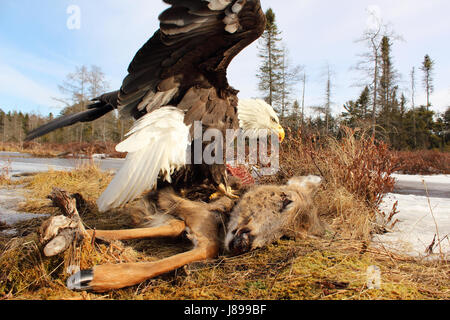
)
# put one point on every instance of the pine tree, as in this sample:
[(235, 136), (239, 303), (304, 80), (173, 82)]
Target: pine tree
[(357, 114), (413, 104), (272, 59), (427, 68), (327, 106), (303, 97), (388, 91), (447, 126)]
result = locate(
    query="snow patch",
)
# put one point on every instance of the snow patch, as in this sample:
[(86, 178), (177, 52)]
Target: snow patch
[(416, 228), (9, 200)]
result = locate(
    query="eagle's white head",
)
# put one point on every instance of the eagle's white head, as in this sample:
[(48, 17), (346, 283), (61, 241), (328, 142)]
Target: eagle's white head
[(255, 115)]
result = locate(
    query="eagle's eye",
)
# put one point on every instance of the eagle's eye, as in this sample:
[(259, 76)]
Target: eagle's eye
[(274, 120)]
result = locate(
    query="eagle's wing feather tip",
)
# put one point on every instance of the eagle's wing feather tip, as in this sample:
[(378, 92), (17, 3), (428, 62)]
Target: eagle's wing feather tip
[(157, 144)]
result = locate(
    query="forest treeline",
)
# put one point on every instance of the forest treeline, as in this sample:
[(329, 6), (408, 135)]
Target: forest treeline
[(384, 108)]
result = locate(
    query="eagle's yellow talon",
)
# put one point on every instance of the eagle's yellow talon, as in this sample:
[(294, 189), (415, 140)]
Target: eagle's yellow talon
[(215, 196), (224, 191), (230, 194)]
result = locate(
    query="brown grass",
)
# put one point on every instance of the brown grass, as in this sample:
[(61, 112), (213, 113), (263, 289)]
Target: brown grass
[(5, 177), (87, 180), (308, 269), (330, 268)]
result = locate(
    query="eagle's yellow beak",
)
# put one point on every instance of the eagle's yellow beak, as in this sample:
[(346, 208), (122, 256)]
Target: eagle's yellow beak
[(281, 133)]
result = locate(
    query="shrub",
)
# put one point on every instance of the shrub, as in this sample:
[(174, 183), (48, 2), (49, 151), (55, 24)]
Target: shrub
[(357, 174), (423, 162)]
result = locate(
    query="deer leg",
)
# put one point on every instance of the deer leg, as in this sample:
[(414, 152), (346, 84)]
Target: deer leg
[(109, 277), (202, 230), (173, 228)]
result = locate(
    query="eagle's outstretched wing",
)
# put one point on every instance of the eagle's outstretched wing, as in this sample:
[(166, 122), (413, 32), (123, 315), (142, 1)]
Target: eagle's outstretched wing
[(196, 41), (195, 37)]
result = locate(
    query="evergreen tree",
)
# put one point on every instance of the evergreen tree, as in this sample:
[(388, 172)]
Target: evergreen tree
[(358, 114), (413, 104), (427, 69), (271, 53), (387, 87), (447, 127), (424, 120)]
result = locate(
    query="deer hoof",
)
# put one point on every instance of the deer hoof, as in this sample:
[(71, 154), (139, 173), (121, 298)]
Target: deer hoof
[(80, 281)]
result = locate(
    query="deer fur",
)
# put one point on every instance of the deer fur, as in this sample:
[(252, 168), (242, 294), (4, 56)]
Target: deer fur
[(263, 215)]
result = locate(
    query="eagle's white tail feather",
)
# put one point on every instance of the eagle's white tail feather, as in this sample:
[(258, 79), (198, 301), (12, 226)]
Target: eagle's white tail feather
[(156, 145)]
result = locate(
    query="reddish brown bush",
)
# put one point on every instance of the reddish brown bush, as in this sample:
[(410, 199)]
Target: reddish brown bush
[(423, 162), (359, 163)]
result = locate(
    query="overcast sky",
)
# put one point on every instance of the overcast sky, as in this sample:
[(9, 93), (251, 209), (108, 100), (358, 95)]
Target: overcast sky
[(37, 49)]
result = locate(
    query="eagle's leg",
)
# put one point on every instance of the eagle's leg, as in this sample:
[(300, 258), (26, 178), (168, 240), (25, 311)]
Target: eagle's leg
[(224, 191), (173, 228)]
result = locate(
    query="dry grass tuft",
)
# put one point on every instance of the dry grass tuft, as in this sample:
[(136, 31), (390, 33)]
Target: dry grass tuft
[(87, 180), (357, 173), (5, 177)]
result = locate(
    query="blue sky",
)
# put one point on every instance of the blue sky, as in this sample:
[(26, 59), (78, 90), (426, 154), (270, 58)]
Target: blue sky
[(37, 50)]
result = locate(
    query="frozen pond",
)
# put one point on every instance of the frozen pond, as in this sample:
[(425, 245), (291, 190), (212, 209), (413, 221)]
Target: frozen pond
[(18, 163), (437, 186)]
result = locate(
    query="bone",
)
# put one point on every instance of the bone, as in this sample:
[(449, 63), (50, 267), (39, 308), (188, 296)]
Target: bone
[(60, 243)]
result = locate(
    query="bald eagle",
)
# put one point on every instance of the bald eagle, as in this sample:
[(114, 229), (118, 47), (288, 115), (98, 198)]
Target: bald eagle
[(177, 78)]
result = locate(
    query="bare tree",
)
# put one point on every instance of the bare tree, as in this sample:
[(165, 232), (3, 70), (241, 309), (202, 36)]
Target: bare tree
[(289, 76), (75, 87), (303, 97), (98, 85), (79, 87)]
